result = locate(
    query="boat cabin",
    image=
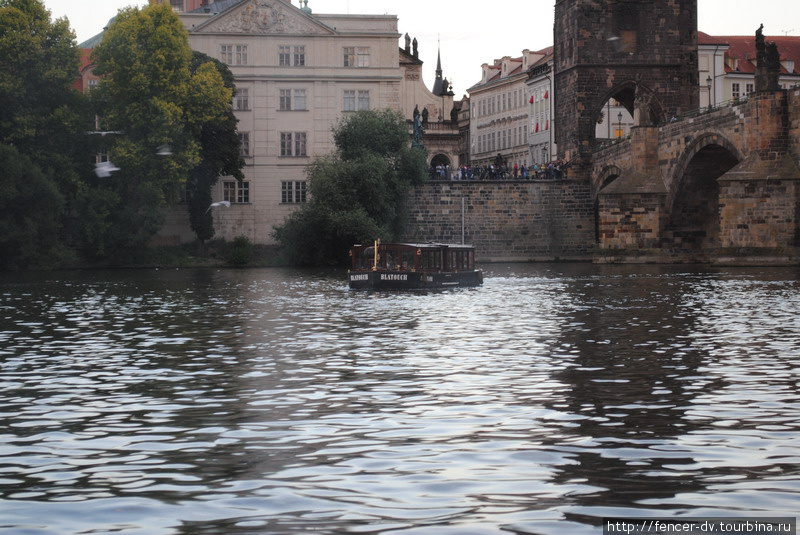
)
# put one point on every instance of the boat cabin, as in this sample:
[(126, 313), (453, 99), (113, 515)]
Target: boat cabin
[(429, 257), (412, 266)]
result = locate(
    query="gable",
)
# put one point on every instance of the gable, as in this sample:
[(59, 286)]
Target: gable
[(263, 17)]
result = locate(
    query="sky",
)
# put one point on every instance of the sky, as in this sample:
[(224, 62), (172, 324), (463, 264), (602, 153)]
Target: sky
[(468, 37)]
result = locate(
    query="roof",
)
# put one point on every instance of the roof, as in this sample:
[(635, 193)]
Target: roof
[(217, 7), (743, 48), (97, 39)]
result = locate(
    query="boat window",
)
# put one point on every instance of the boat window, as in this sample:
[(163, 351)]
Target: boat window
[(364, 258), (432, 260), (391, 259), (407, 262)]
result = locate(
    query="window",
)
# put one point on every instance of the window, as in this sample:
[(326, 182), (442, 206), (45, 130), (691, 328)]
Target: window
[(241, 99), (349, 56), (299, 143), (292, 56), (362, 56), (241, 55), (299, 56), (293, 191), (749, 88), (226, 54), (233, 54), (177, 5), (356, 56), (292, 99), (293, 144), (735, 91), (93, 84), (285, 103), (234, 191), (356, 100), (299, 99), (349, 101), (284, 56), (244, 144)]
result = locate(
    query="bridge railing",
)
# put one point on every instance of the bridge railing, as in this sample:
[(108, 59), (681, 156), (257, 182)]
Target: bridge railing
[(707, 109), (601, 144)]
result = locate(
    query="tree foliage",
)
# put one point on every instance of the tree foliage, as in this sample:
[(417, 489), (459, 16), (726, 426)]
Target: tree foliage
[(29, 199), (42, 123), (149, 92), (219, 153), (358, 192), (39, 110)]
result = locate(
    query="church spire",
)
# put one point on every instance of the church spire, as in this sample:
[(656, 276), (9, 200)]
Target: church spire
[(438, 84)]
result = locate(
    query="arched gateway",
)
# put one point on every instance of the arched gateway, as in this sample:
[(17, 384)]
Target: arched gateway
[(643, 53)]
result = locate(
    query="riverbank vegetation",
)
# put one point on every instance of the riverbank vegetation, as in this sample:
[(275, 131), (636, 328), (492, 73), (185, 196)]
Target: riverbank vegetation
[(357, 193), (160, 113)]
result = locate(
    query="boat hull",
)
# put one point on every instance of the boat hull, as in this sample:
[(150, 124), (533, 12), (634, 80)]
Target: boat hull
[(412, 280)]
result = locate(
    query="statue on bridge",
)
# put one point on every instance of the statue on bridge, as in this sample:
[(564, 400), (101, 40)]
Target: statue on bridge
[(418, 130), (768, 63), (642, 103)]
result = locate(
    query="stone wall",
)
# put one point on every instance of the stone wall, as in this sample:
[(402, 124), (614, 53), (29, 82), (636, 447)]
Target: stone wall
[(642, 53), (759, 214), (507, 221)]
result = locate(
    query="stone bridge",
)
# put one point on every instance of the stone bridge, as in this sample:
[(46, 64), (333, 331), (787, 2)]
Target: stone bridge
[(715, 187)]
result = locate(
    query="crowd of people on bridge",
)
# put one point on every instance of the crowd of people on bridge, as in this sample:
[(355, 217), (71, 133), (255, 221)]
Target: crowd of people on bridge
[(549, 171)]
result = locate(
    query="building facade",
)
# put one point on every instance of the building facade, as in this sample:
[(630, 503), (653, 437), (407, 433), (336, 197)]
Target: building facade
[(297, 75), (541, 111), (499, 112)]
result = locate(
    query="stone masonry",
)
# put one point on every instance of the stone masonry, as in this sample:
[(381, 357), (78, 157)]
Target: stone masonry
[(507, 220), (643, 53)]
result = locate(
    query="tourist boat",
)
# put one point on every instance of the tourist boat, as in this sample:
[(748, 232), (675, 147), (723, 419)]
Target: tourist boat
[(413, 266)]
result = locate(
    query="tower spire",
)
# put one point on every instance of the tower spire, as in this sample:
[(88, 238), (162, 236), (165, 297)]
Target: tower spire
[(438, 84)]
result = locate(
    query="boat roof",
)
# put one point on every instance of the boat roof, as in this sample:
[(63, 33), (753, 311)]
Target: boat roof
[(429, 245)]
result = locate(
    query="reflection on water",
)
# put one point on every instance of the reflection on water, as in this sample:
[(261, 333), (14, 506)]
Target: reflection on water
[(280, 402)]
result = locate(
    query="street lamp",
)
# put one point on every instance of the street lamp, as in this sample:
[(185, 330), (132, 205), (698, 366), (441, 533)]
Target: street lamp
[(619, 125), (709, 83)]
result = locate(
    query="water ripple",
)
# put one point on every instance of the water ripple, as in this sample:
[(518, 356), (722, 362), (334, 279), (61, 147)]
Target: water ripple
[(278, 401)]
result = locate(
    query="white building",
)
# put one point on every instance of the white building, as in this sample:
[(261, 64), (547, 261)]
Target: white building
[(727, 65), (499, 112), (539, 95), (513, 112), (298, 74)]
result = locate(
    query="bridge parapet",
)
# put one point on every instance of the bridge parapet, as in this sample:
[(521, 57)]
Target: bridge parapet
[(725, 179)]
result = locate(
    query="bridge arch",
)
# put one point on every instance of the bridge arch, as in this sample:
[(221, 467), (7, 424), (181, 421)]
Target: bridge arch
[(606, 176), (693, 192), (631, 94)]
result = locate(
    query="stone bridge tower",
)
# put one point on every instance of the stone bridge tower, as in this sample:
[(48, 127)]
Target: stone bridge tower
[(641, 52)]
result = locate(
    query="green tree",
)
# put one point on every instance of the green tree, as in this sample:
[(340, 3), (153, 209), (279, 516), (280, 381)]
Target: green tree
[(40, 113), (219, 153), (357, 193), (44, 118), (29, 234), (149, 93)]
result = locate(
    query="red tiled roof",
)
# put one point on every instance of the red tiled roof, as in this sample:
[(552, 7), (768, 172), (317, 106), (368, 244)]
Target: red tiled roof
[(743, 48)]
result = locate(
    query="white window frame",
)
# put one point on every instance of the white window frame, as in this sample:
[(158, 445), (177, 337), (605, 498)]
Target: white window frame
[(292, 55), (294, 191), (293, 144), (241, 99), (231, 54), (244, 144), (236, 192)]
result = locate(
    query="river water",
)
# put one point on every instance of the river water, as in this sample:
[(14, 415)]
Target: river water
[(277, 401)]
